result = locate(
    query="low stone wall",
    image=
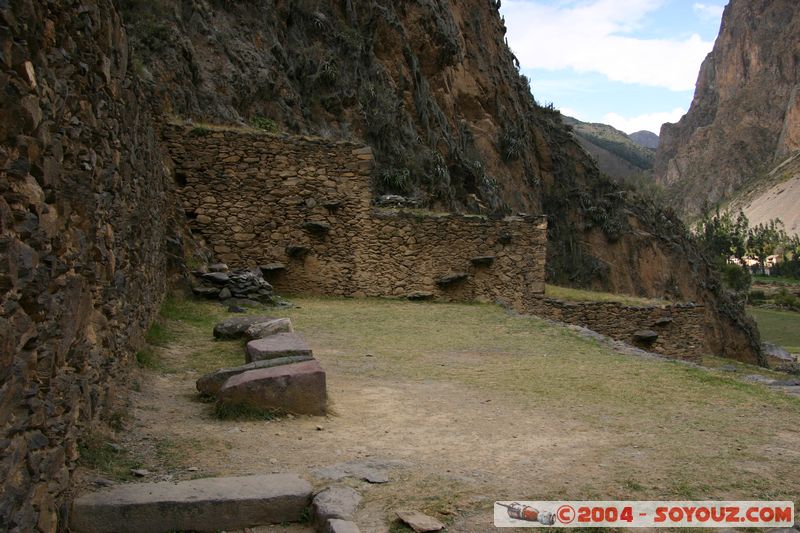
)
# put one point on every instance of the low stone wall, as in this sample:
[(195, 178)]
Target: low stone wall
[(302, 209), (680, 327)]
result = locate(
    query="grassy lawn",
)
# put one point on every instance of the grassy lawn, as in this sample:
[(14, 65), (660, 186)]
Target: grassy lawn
[(580, 295), (484, 405), (774, 280), (778, 327)]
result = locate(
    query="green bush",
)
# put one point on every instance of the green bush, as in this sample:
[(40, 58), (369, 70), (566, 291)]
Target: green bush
[(264, 123), (736, 277), (757, 297), (396, 180), (788, 300)]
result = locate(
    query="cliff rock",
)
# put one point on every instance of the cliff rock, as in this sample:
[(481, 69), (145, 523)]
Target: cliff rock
[(745, 116)]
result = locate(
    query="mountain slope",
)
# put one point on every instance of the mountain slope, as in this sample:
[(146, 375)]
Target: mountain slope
[(776, 195), (614, 151), (645, 138), (745, 117)]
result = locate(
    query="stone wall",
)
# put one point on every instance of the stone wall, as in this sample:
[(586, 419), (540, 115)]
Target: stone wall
[(680, 327), (84, 215), (302, 209)]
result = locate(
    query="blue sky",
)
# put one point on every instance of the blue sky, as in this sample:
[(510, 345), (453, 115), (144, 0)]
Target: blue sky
[(629, 63)]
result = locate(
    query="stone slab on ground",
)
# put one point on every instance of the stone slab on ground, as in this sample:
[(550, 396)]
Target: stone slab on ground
[(335, 502), (279, 345), (235, 327), (369, 469), (211, 383), (297, 388), (340, 526), (202, 505), (270, 327), (420, 522)]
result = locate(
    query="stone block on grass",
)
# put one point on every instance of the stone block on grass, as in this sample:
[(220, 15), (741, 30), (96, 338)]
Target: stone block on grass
[(210, 384), (260, 330), (298, 388), (274, 346), (235, 327)]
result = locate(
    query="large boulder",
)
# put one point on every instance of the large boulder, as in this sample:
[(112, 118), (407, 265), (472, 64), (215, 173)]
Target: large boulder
[(274, 346), (235, 327), (210, 384), (298, 388)]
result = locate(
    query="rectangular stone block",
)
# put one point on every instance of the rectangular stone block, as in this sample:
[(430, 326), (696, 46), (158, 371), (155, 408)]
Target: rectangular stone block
[(211, 383), (298, 388), (274, 346), (202, 505)]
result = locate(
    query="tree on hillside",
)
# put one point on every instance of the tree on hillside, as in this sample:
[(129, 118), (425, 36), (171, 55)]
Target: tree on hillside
[(723, 236), (764, 239), (790, 266)]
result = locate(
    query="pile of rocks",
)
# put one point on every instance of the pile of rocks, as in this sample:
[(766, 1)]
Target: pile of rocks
[(280, 372), (219, 282)]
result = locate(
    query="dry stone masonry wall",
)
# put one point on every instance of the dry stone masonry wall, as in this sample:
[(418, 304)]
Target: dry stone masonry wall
[(674, 330), (301, 209), (85, 213)]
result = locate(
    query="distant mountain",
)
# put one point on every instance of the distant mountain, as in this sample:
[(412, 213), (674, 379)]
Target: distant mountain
[(745, 116), (615, 152), (645, 138)]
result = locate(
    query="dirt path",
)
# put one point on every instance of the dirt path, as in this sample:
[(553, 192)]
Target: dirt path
[(454, 436)]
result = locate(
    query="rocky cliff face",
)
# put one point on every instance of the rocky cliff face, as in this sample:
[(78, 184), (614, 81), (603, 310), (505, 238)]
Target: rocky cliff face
[(85, 215), (745, 117)]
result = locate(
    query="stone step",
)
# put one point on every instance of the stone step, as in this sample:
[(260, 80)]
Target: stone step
[(202, 505), (297, 388), (274, 346)]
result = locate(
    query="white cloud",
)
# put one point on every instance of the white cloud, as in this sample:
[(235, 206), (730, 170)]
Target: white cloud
[(593, 36), (574, 113), (649, 121), (708, 11)]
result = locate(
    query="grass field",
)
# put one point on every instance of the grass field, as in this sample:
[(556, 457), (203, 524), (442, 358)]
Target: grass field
[(778, 327), (774, 280), (480, 404), (581, 295)]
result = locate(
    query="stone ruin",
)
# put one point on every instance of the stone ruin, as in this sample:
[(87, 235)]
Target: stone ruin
[(300, 213)]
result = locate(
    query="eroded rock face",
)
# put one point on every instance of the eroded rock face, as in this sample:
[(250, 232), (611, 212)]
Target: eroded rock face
[(745, 116), (88, 232)]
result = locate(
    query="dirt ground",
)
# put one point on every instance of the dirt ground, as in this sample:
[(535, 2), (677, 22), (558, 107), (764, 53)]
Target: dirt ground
[(454, 436)]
